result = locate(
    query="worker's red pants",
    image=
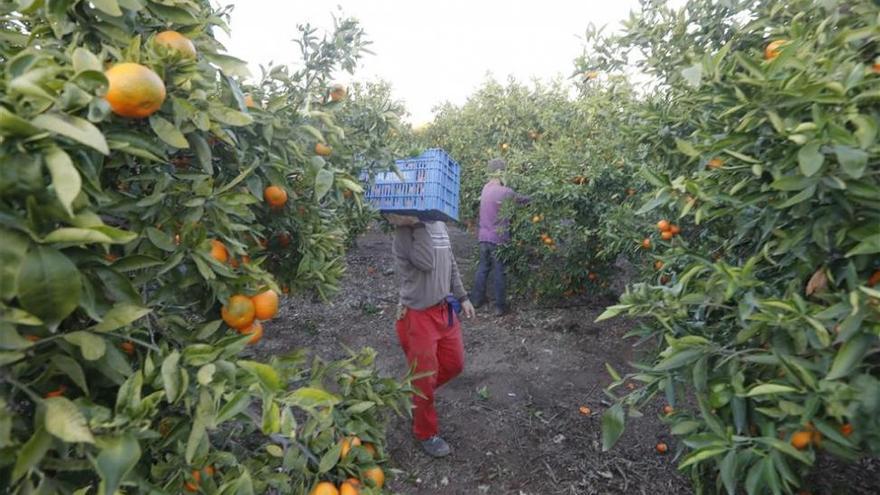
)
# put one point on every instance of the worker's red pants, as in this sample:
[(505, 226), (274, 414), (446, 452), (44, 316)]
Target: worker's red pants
[(430, 345)]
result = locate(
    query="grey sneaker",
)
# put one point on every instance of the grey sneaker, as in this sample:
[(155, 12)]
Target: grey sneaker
[(435, 446), (499, 312)]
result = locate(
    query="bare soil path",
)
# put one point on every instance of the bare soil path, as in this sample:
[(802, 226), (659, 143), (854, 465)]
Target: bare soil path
[(512, 416)]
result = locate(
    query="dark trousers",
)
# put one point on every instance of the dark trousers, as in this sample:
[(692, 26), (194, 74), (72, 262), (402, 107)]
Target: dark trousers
[(489, 262)]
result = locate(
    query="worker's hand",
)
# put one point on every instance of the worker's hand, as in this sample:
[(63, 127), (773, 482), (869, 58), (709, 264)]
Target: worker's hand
[(468, 309), (401, 220)]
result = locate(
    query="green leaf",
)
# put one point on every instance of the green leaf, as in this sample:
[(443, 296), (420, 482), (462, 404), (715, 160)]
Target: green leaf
[(611, 371), (31, 453), (15, 125), (323, 183), (693, 75), (84, 60), (117, 458), (868, 245), (171, 377), (728, 472), (168, 133), (90, 345), (203, 152), (75, 128), (680, 359), (360, 407), (110, 7), (849, 356), (810, 159), (120, 314), (700, 455), (229, 65), (612, 426), (65, 177), (65, 421), (228, 116), (853, 161), (48, 285), (161, 240), (330, 459), (71, 369), (103, 235), (613, 311), (685, 427), (309, 397), (12, 253), (686, 148), (770, 389), (785, 448), (266, 374)]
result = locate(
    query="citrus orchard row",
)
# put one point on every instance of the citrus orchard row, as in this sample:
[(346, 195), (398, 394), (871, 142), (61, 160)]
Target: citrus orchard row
[(154, 208)]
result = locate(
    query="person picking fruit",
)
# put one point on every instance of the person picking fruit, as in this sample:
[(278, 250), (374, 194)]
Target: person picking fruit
[(494, 231), (427, 325)]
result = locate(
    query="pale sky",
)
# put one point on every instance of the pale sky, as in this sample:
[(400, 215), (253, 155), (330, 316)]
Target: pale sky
[(432, 51)]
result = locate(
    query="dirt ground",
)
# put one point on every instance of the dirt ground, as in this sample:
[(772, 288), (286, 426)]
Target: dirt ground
[(512, 416)]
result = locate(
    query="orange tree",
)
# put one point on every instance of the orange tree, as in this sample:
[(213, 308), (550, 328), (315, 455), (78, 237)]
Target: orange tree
[(762, 138), (137, 181), (565, 154)]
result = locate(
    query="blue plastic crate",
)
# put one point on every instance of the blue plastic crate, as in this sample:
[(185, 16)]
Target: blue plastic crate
[(429, 189)]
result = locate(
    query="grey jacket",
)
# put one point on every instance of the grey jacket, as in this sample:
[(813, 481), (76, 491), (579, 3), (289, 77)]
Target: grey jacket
[(425, 265)]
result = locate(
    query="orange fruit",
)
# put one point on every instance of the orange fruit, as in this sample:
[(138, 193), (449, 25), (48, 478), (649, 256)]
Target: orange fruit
[(371, 449), (324, 488), (667, 409), (190, 487), (663, 225), (209, 470), (284, 239), (32, 338), (715, 163), (675, 229), (646, 243), (249, 101), (548, 240), (197, 475), (127, 347), (337, 92), (658, 265), (239, 312), (176, 42), (218, 251), (255, 330), (591, 75), (667, 235), (347, 444), (275, 196), (801, 439), (265, 305), (322, 149), (593, 276), (58, 392), (846, 429), (874, 279), (134, 90), (376, 475), (351, 486), (631, 386), (586, 411), (536, 219), (662, 448), (771, 51), (630, 192), (505, 146), (664, 279)]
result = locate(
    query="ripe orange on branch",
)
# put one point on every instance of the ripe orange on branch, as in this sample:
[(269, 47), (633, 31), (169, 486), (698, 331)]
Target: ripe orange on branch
[(255, 330), (801, 439), (347, 444), (376, 475), (772, 49), (715, 163), (322, 149), (239, 312), (337, 92), (666, 235), (275, 196), (324, 488), (351, 486), (265, 305), (663, 225), (662, 448), (646, 243), (134, 90), (177, 42), (218, 251)]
